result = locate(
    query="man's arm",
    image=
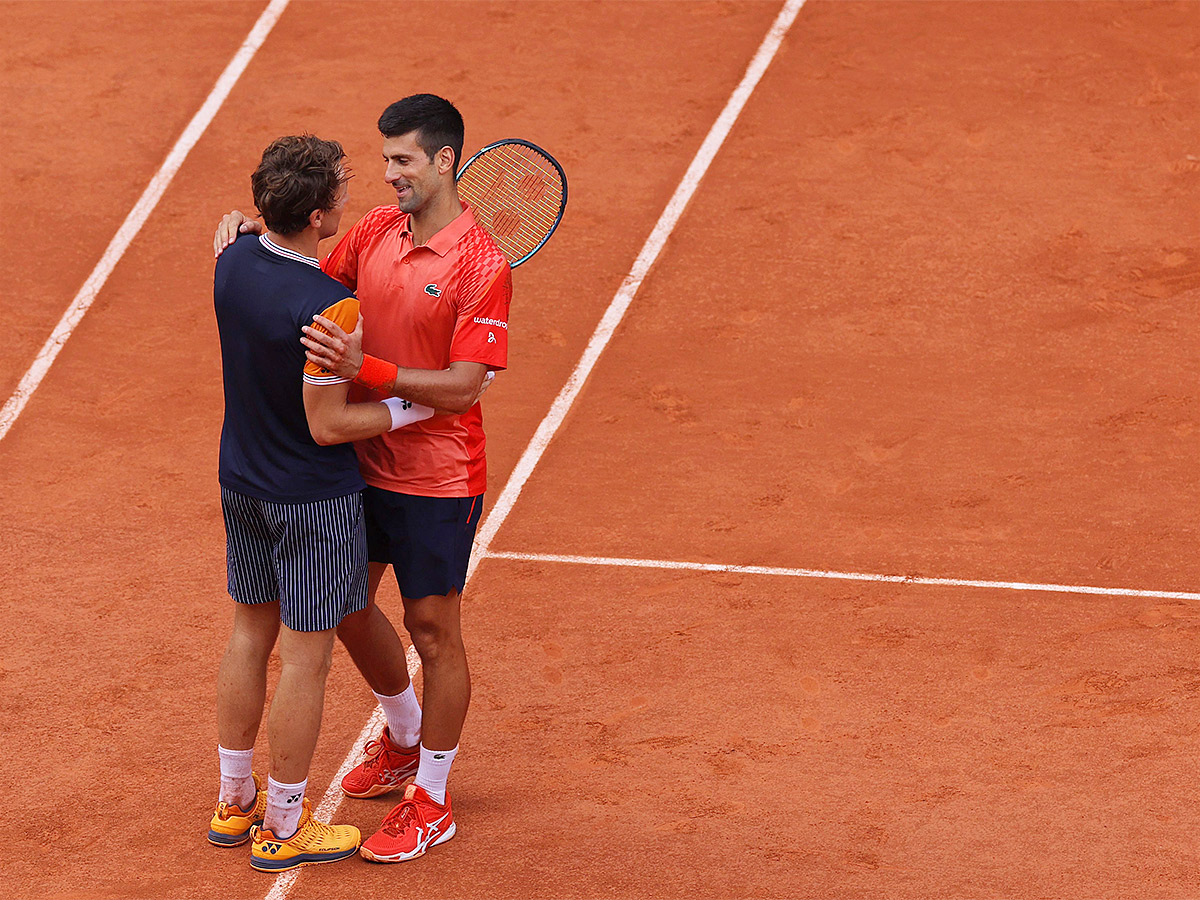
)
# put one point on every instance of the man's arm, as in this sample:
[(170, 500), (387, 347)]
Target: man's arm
[(454, 389), (231, 226), (332, 420)]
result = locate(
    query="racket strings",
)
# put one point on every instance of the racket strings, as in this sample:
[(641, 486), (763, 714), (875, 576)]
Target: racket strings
[(517, 196)]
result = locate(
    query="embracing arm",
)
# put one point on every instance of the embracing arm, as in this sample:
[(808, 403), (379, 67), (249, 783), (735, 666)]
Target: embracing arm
[(454, 389), (333, 420)]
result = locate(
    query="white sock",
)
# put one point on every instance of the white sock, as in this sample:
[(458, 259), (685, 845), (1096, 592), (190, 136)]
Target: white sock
[(285, 802), (433, 772), (237, 784), (403, 716)]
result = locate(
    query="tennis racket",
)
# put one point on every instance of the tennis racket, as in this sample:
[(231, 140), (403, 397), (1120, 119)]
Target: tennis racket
[(518, 192)]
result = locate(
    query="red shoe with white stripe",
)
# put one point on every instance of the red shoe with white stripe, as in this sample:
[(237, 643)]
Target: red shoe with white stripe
[(385, 768), (411, 828)]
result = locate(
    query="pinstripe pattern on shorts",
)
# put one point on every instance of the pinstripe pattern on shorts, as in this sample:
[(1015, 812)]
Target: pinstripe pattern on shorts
[(312, 557)]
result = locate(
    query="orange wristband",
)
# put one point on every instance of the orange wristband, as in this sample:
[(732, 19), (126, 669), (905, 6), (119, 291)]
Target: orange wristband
[(376, 374)]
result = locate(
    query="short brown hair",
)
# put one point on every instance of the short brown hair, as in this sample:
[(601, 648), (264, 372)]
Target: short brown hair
[(298, 174)]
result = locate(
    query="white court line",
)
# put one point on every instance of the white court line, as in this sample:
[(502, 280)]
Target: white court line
[(629, 287), (600, 338), (841, 576), (137, 216)]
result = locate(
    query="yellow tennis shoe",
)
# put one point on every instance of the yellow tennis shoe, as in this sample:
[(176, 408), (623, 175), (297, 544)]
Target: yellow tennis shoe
[(313, 842), (230, 825)]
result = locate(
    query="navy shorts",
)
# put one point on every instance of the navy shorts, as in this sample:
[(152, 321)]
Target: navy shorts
[(427, 540), (311, 557)]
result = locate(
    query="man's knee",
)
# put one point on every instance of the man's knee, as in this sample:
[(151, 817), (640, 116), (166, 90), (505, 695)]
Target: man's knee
[(309, 651), (435, 633)]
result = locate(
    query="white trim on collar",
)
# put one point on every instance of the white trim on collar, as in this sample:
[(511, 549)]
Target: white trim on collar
[(284, 252)]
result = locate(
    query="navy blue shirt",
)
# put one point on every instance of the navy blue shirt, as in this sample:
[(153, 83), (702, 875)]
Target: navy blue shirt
[(263, 294)]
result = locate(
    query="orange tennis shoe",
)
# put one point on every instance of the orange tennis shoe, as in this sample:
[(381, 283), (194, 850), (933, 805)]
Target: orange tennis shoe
[(313, 842), (385, 768), (415, 825), (230, 825)]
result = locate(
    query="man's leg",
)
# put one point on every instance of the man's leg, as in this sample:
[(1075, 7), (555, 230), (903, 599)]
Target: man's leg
[(377, 651), (241, 694), (372, 642), (435, 625), (295, 722)]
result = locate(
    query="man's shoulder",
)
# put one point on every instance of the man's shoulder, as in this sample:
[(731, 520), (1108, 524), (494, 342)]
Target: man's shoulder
[(478, 253), (379, 220)]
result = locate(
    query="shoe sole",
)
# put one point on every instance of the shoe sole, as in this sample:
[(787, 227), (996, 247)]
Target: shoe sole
[(304, 859), (400, 857), (375, 790), (227, 840)]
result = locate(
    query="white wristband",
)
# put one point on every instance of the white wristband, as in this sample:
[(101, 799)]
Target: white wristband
[(405, 412)]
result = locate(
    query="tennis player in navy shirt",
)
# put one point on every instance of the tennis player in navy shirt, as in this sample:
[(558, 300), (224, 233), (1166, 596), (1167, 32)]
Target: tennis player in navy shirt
[(292, 502)]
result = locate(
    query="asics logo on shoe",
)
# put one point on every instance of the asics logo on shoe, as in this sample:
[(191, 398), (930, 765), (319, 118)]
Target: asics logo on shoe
[(423, 839)]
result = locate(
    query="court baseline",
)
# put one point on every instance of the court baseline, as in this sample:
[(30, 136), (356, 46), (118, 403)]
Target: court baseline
[(839, 576)]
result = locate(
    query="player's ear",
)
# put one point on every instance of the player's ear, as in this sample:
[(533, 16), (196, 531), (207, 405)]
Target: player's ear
[(445, 160), (315, 217)]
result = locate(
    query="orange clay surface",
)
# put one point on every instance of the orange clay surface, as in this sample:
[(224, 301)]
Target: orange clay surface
[(932, 311)]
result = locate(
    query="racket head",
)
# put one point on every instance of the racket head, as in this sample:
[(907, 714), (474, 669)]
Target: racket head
[(518, 193)]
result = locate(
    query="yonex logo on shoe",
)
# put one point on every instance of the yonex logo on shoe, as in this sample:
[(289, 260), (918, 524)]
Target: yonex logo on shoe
[(293, 798), (271, 848)]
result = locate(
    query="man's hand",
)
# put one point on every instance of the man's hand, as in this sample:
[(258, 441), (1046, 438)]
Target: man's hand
[(332, 348), (231, 226), (487, 383)]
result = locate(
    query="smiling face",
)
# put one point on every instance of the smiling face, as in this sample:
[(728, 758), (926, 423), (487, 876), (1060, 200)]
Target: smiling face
[(415, 177)]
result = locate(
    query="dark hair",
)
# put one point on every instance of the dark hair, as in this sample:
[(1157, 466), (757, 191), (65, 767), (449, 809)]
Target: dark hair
[(437, 123), (298, 174)]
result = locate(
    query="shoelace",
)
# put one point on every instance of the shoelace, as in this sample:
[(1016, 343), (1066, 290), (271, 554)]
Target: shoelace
[(374, 752), (401, 818)]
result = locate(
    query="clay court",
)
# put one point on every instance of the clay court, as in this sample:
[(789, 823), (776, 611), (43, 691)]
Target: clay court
[(931, 313)]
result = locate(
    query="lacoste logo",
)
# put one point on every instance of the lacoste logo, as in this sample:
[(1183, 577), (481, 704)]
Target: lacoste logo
[(433, 290), (439, 756)]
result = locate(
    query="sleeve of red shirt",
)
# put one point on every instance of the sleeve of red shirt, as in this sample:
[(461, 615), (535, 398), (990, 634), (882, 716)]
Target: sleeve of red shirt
[(342, 261), (481, 328)]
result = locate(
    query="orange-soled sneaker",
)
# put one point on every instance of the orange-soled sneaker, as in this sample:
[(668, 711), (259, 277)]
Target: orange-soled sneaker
[(313, 842), (385, 768), (411, 828), (230, 825)]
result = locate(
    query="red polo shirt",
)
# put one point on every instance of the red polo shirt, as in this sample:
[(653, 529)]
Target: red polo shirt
[(426, 307)]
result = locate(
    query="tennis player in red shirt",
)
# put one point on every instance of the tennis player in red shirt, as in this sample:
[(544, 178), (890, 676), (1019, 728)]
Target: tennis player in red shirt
[(434, 292)]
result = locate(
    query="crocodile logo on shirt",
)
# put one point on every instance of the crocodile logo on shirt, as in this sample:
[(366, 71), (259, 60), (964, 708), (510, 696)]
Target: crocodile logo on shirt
[(433, 290)]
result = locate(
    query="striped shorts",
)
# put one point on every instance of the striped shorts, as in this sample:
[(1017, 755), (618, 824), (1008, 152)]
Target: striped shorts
[(311, 557)]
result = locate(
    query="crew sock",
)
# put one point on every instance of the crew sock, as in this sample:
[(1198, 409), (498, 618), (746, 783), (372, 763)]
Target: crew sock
[(285, 803), (433, 772), (403, 716), (237, 784)]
